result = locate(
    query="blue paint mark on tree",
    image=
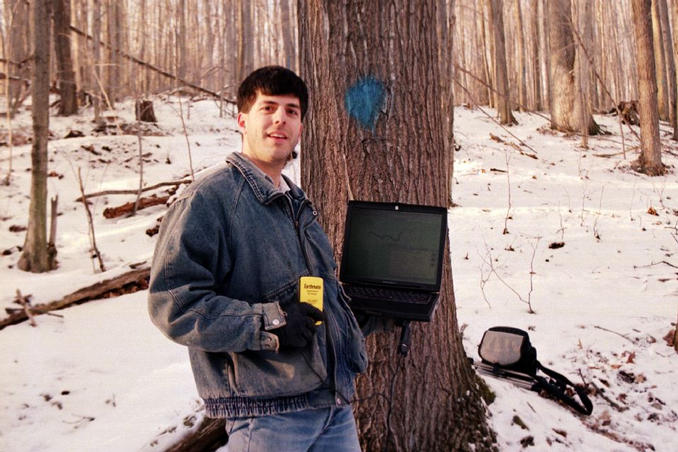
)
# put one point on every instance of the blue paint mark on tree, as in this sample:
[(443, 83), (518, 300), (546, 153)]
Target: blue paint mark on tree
[(364, 99)]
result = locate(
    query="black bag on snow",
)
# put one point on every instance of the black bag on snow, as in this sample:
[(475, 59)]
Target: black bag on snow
[(506, 352)]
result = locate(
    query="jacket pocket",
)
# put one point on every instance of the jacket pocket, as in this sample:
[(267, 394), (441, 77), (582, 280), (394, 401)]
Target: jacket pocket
[(276, 374)]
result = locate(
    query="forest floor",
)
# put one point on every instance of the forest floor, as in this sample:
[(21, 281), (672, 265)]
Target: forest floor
[(572, 234)]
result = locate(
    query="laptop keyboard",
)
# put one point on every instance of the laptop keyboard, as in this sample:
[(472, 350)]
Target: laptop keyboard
[(381, 293)]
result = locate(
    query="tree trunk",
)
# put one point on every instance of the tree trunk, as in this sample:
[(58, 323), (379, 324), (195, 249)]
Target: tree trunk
[(674, 16), (289, 49), (567, 113), (545, 44), (62, 46), (485, 93), (536, 54), (35, 256), (16, 21), (210, 38), (144, 83), (660, 63), (96, 57), (670, 64), (385, 54), (245, 49), (488, 30), (649, 161), (522, 64), (502, 96), (181, 37)]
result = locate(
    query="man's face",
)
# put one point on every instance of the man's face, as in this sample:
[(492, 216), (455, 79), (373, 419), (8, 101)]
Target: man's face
[(271, 129)]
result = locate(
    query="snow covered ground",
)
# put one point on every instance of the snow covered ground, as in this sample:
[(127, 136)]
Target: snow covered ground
[(101, 377)]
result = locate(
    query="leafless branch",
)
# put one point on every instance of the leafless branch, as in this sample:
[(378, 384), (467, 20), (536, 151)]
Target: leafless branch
[(92, 237)]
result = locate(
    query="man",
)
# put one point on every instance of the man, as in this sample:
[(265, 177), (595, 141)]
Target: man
[(225, 280)]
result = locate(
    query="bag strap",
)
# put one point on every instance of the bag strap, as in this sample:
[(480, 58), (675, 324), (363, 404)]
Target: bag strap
[(556, 387)]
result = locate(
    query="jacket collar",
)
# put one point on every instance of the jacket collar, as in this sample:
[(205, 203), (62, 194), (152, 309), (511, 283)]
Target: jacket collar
[(261, 185)]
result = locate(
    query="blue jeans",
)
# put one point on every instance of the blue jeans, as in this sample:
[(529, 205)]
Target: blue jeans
[(325, 429)]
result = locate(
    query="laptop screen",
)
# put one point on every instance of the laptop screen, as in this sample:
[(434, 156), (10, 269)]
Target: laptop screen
[(394, 244)]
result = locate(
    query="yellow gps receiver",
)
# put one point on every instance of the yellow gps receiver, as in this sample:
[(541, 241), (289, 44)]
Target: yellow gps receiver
[(311, 292)]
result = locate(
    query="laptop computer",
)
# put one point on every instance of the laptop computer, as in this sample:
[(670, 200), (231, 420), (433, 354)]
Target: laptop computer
[(393, 257)]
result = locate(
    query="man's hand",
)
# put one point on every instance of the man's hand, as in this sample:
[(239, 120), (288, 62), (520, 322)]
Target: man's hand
[(300, 326)]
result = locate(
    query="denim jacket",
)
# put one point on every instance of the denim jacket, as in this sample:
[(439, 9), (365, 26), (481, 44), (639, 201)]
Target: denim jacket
[(229, 256)]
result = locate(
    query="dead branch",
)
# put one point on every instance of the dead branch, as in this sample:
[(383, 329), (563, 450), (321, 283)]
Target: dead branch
[(508, 183), (494, 271), (51, 244), (129, 207), (25, 303), (141, 176), (134, 191), (614, 332), (188, 143), (108, 288), (494, 137), (210, 435), (612, 403), (92, 237), (491, 88), (656, 263), (534, 156), (151, 67)]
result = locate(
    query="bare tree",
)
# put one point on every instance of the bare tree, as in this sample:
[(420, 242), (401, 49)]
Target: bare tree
[(35, 256), (567, 109), (61, 13), (289, 49), (96, 57), (372, 149), (674, 16), (16, 52), (245, 59), (522, 64), (670, 64), (502, 97), (660, 62), (537, 54), (649, 161)]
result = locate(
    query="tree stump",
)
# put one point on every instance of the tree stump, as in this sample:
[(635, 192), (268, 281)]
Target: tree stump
[(143, 111)]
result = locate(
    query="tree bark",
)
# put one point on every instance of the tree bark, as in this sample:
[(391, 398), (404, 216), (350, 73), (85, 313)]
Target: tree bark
[(18, 50), (670, 64), (567, 112), (62, 46), (545, 44), (35, 255), (502, 94), (536, 54), (660, 63), (522, 64), (649, 161), (96, 57), (112, 29), (674, 16), (289, 49), (400, 153)]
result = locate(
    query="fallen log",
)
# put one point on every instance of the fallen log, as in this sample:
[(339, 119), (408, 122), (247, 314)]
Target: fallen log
[(128, 207), (134, 191), (129, 282), (210, 435)]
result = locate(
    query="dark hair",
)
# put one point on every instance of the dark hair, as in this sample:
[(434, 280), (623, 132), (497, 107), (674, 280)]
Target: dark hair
[(272, 81)]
